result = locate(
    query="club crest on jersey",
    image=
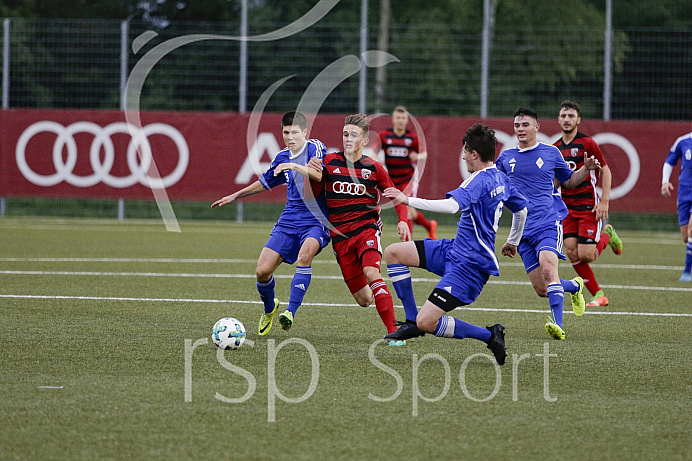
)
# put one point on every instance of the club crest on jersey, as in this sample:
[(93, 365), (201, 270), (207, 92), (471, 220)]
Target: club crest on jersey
[(370, 243), (408, 141), (539, 162), (365, 173), (574, 151)]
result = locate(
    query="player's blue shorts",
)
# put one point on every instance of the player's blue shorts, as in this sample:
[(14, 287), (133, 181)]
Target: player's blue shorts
[(684, 211), (460, 279), (540, 238), (287, 240)]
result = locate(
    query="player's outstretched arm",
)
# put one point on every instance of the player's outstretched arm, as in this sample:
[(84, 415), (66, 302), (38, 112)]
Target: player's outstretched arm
[(590, 163), (302, 169), (395, 195), (254, 188), (314, 166)]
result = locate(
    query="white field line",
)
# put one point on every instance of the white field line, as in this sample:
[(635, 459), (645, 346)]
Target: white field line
[(317, 261), (239, 301), (285, 276), (134, 225)]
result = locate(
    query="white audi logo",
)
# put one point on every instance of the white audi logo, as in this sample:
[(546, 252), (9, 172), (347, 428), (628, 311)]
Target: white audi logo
[(349, 188), (102, 142)]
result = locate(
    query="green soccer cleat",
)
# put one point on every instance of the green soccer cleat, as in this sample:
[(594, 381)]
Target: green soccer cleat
[(554, 330), (286, 320), (397, 343), (265, 323), (615, 242), (578, 303)]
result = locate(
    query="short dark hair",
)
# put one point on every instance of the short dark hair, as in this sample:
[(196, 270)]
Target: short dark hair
[(400, 109), (527, 111), (294, 118), (359, 120), (567, 104), (481, 138)]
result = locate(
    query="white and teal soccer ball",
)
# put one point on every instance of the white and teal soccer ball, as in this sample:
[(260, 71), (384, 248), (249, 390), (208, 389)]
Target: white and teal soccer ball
[(228, 333)]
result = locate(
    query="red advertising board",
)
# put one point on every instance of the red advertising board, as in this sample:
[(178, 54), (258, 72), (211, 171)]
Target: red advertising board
[(204, 156)]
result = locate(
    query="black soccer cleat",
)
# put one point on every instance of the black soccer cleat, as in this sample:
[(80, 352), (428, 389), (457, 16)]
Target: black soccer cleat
[(407, 330), (496, 343)]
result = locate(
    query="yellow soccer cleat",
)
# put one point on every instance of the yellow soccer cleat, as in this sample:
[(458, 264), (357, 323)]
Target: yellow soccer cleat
[(265, 323), (578, 303), (554, 330), (286, 320)]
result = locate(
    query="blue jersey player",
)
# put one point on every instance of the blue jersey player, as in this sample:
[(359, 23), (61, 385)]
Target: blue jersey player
[(299, 235), (682, 151), (466, 262), (532, 167)]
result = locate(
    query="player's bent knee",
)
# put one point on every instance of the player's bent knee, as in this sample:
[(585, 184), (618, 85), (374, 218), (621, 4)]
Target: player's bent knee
[(426, 324), (363, 299), (391, 254)]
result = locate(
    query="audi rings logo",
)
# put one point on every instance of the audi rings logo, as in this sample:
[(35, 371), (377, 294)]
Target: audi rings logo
[(102, 142), (349, 188)]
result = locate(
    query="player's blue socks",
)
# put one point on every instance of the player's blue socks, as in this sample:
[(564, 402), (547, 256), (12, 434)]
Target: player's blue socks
[(299, 286), (266, 292), (556, 298), (688, 255), (570, 286), (400, 276), (452, 327)]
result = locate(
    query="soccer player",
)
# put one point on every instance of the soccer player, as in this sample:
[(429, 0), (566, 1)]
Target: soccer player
[(681, 150), (298, 236), (532, 167), (584, 238), (466, 262), (402, 151), (352, 183)]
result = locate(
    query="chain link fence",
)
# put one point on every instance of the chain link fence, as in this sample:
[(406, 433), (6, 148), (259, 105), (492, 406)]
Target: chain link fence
[(79, 64), (83, 64)]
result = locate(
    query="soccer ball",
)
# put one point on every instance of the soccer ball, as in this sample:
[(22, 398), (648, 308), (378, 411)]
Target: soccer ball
[(228, 333)]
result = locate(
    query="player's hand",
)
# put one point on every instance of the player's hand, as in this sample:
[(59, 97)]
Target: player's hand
[(281, 167), (225, 201), (404, 231), (315, 163), (509, 250), (601, 210), (591, 163), (395, 195), (666, 189)]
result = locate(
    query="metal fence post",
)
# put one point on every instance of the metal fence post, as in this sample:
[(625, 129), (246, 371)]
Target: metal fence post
[(607, 61), (124, 68), (242, 84), (362, 84), (6, 64)]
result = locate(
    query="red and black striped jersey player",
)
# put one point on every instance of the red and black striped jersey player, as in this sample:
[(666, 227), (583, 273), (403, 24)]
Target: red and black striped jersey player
[(353, 184), (585, 235), (402, 151)]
